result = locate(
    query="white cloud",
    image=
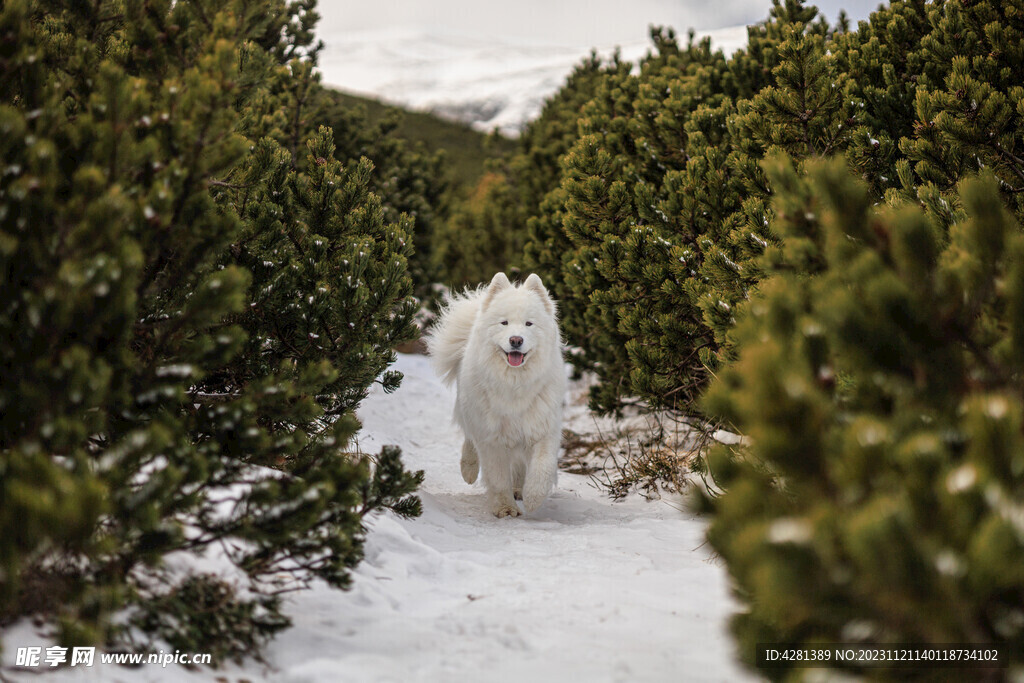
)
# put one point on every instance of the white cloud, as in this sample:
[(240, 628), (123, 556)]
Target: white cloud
[(599, 23)]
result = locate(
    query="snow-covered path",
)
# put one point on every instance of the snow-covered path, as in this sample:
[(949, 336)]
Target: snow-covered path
[(582, 590)]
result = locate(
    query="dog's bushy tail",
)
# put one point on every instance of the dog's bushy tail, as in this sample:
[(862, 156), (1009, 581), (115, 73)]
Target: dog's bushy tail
[(446, 343)]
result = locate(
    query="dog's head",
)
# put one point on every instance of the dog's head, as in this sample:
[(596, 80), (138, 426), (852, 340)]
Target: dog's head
[(518, 320)]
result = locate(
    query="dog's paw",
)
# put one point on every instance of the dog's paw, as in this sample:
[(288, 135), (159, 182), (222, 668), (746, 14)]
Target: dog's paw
[(506, 510)]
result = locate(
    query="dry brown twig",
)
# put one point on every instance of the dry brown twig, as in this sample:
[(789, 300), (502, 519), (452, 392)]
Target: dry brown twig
[(651, 460)]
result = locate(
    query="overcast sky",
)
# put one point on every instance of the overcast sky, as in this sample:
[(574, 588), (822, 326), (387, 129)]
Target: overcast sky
[(599, 23)]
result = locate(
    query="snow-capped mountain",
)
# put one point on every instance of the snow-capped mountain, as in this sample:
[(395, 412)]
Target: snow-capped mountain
[(492, 64), (486, 83)]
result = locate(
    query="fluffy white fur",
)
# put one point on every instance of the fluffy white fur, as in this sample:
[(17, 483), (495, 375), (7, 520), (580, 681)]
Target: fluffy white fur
[(511, 415)]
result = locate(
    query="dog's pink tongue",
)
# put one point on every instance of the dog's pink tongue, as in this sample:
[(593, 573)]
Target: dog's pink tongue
[(515, 358)]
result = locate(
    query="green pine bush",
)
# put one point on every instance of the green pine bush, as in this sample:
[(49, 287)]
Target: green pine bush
[(408, 177), (653, 237), (197, 293), (878, 382), (823, 228), (661, 201)]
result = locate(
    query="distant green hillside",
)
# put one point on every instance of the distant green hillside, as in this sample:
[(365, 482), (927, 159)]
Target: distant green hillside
[(466, 149)]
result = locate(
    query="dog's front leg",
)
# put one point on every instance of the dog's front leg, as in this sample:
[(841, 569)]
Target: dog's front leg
[(541, 474), (497, 473)]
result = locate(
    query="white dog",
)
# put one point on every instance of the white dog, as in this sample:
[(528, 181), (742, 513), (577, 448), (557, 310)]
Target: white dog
[(502, 348)]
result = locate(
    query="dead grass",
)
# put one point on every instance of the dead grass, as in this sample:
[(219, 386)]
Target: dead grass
[(580, 453), (651, 459)]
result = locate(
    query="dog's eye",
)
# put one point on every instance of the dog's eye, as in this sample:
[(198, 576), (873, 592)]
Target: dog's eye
[(504, 322), (528, 323)]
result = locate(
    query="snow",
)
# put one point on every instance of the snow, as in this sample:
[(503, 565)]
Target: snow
[(582, 589), (486, 82)]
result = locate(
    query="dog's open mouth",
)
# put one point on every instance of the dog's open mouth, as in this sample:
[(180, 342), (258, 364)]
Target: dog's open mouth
[(515, 358)]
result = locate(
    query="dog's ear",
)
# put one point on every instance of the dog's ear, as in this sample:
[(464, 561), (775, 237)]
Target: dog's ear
[(533, 282), (498, 283)]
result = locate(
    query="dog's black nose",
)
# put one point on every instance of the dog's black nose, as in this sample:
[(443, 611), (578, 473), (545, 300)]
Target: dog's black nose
[(516, 342)]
